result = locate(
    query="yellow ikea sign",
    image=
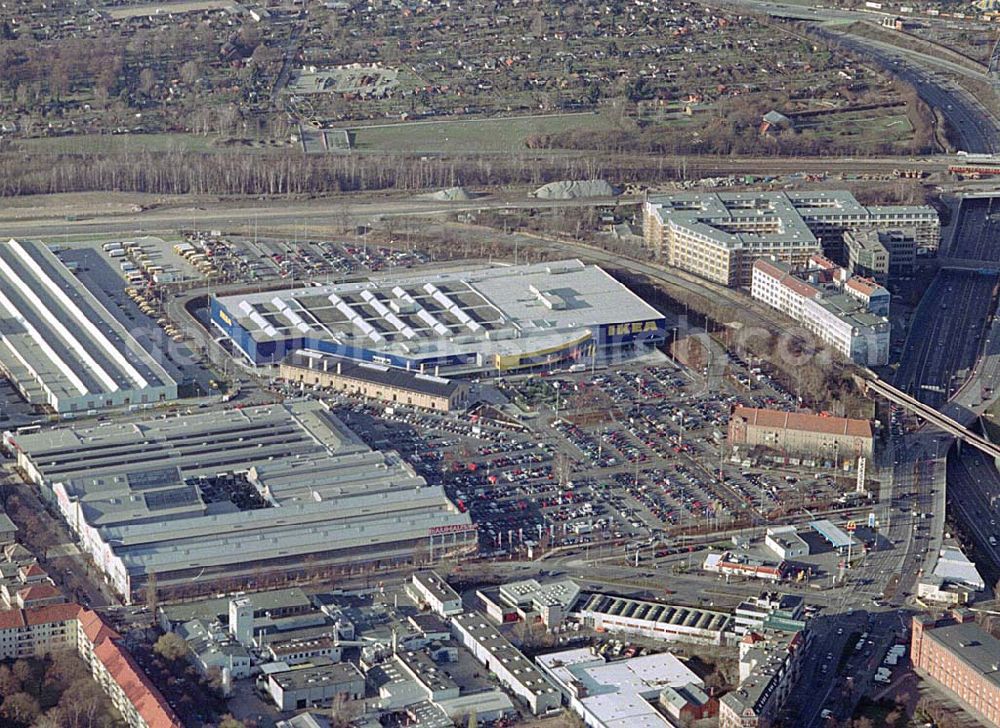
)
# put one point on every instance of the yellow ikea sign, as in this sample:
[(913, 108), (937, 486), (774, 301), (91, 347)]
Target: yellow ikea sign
[(225, 317), (636, 327)]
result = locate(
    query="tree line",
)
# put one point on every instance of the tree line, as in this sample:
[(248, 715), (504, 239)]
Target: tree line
[(179, 172)]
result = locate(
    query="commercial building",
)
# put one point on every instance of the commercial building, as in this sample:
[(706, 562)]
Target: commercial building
[(40, 631), (375, 381), (474, 321), (729, 564), (785, 542), (514, 671), (880, 254), (770, 665), (315, 685), (770, 611), (801, 435), (61, 347), (429, 587), (958, 654), (718, 236), (840, 540), (954, 579), (605, 613), (849, 315), (229, 495), (625, 692), (531, 601), (214, 648)]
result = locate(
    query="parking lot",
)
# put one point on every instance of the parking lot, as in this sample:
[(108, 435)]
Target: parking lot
[(624, 456), (233, 259), (141, 315)]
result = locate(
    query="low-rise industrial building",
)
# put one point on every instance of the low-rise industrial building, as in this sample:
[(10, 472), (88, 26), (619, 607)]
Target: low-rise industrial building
[(786, 543), (430, 587), (624, 692), (59, 344), (718, 236), (264, 605), (214, 648), (375, 381), (315, 685), (418, 665), (953, 581), (483, 320), (228, 495), (801, 435), (606, 613), (531, 601), (514, 671), (959, 655)]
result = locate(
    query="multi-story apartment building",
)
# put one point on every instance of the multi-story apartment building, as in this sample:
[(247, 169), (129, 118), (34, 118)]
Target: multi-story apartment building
[(38, 631), (769, 668), (961, 656), (848, 315), (718, 236)]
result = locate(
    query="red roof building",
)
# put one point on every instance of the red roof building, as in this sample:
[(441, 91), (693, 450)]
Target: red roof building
[(40, 630)]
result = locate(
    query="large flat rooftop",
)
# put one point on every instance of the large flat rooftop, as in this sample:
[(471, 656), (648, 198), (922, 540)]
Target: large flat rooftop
[(737, 220), (59, 343), (619, 694), (486, 312), (231, 487)]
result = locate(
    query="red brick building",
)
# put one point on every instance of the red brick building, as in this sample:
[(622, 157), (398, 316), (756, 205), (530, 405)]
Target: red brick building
[(959, 655)]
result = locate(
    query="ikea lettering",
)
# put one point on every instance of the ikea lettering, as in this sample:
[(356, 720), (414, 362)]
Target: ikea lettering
[(636, 327), (225, 318)]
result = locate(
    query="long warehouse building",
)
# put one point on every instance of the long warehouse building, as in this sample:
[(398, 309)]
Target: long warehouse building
[(234, 494), (60, 345), (481, 320)]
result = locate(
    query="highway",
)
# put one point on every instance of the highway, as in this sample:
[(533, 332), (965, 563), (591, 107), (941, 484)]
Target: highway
[(976, 128), (949, 326)]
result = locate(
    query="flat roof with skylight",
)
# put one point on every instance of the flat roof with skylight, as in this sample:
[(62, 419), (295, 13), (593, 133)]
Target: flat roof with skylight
[(473, 320), (61, 346)]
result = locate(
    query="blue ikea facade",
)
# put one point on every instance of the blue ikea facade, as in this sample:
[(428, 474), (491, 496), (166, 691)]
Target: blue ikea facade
[(611, 339)]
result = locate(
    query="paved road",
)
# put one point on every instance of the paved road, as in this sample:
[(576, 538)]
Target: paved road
[(946, 335)]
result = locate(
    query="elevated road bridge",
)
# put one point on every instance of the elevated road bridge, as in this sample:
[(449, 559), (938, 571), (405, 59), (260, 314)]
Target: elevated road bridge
[(930, 415)]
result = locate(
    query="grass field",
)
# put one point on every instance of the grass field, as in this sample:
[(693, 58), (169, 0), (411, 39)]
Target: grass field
[(168, 8), (109, 143), (866, 127), (469, 135)]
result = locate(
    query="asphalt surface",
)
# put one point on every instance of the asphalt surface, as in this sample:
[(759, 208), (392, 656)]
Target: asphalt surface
[(977, 236), (946, 334)]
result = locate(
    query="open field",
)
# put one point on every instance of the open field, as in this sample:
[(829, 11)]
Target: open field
[(869, 127), (112, 143), (194, 6), (472, 135)]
